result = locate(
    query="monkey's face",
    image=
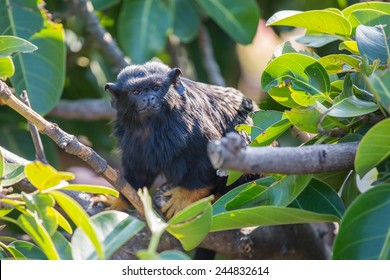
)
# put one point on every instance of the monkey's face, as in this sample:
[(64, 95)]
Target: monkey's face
[(141, 91)]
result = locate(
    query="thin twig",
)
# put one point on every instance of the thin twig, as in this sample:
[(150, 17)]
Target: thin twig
[(71, 145), (39, 150), (104, 39), (209, 62)]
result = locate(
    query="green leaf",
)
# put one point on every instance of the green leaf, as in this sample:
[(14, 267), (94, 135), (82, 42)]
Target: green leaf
[(239, 19), (379, 6), (64, 248), (191, 225), (320, 198), (262, 120), (100, 5), (81, 219), (142, 28), (62, 222), (29, 250), (323, 21), (374, 148), (16, 254), (7, 68), (379, 83), (39, 235), (350, 190), (13, 173), (303, 72), (2, 163), (369, 17), (365, 229), (351, 46), (186, 19), (11, 44), (266, 216), (271, 133), (43, 176), (91, 189), (348, 107), (114, 229), (373, 43), (173, 255), (339, 63), (316, 40), (282, 95)]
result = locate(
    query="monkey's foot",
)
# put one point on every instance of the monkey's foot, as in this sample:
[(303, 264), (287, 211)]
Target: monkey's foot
[(112, 203), (180, 198)]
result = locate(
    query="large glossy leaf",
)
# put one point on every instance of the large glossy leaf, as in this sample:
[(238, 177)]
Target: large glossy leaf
[(44, 176), (375, 5), (339, 63), (26, 21), (348, 107), (266, 216), (301, 72), (40, 236), (369, 17), (323, 21), (373, 148), (365, 229), (282, 95), (81, 219), (114, 228), (191, 225), (379, 83), (239, 19), (11, 44), (186, 19), (29, 250), (63, 246), (373, 43), (271, 133), (142, 28), (319, 197)]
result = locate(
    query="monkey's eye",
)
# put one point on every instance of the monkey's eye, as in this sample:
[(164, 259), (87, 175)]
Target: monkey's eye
[(136, 92), (156, 88)]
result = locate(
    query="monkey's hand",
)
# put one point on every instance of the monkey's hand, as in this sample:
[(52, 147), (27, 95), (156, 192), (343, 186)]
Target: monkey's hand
[(113, 203), (181, 197)]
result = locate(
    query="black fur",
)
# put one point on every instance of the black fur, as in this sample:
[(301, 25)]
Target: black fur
[(164, 123)]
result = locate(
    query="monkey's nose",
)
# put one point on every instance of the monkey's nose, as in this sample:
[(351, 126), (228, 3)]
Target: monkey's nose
[(150, 100)]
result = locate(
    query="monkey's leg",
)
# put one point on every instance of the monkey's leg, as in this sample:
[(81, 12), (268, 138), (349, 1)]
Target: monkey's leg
[(113, 203), (181, 197)]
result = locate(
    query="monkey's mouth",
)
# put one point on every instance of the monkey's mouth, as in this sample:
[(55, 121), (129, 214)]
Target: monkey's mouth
[(149, 110)]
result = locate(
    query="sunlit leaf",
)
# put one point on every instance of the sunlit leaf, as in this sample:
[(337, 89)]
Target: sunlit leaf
[(7, 68), (12, 44), (339, 63), (91, 189)]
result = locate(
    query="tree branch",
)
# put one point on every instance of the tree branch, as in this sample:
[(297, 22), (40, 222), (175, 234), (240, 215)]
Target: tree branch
[(209, 62), (230, 153), (71, 145), (104, 39), (83, 109)]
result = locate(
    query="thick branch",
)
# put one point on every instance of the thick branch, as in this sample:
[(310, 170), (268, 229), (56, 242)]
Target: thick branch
[(231, 153), (83, 109), (104, 39), (71, 145)]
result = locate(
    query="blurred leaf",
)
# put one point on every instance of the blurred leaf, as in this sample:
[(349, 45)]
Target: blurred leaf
[(266, 216), (11, 44), (64, 248), (350, 189), (364, 230), (3, 254), (146, 255), (339, 63), (2, 163), (369, 17), (379, 6), (316, 40), (173, 255), (373, 43), (39, 235), (7, 68), (373, 148), (43, 176), (62, 222), (91, 189), (100, 5), (29, 250), (114, 229), (13, 173), (191, 225), (186, 19), (239, 19), (379, 83), (320, 198), (348, 107), (81, 219), (142, 28), (351, 46), (303, 72), (271, 133), (16, 253), (323, 21), (233, 176), (5, 212)]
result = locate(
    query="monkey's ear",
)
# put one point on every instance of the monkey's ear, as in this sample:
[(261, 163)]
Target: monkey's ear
[(113, 88), (174, 79)]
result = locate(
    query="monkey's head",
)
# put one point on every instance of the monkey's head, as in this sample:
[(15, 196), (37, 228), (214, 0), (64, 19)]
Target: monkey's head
[(141, 91)]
